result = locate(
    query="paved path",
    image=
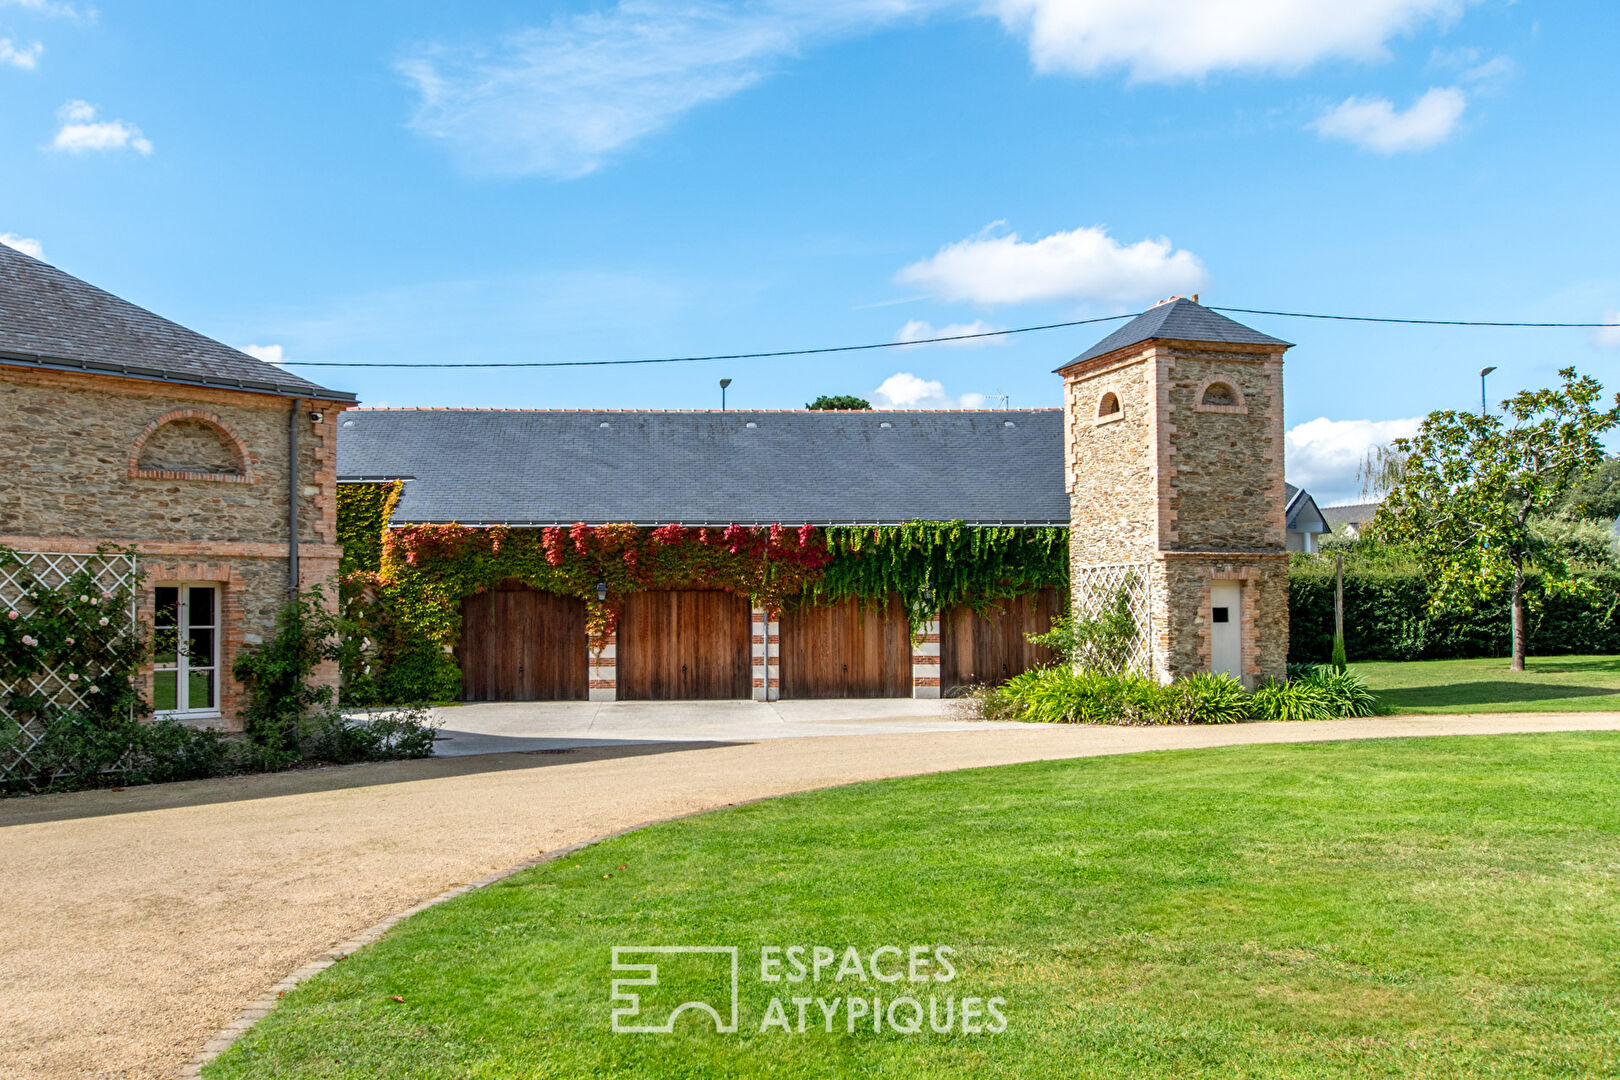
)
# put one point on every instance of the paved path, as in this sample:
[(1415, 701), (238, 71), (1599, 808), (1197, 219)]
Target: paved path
[(496, 727), (137, 923)]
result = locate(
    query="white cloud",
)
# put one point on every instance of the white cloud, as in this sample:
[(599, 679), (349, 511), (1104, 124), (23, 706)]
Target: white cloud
[(1608, 337), (81, 131), (53, 8), (1374, 123), (1166, 40), (1323, 455), (557, 99), (903, 390), (921, 330), (20, 56), (26, 245), (1084, 264), (270, 354)]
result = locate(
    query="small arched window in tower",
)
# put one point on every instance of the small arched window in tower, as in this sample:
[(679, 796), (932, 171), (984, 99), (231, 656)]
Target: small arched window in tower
[(1108, 405), (1219, 395)]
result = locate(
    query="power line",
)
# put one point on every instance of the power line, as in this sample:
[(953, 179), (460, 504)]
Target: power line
[(1419, 322), (927, 341), (698, 359)]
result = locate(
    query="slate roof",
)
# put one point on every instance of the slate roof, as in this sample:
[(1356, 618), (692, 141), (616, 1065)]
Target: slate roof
[(1178, 320), (1298, 501), (1356, 514), (519, 467), (50, 319)]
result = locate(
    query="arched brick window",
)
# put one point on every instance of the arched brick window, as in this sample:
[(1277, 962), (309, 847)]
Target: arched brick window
[(1108, 404), (189, 444), (1220, 395)]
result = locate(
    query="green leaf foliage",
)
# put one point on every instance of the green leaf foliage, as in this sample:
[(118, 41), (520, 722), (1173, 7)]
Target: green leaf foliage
[(838, 401), (1388, 616), (1470, 488)]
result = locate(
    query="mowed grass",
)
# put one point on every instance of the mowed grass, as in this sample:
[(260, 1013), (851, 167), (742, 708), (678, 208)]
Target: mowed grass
[(1549, 684), (1398, 908)]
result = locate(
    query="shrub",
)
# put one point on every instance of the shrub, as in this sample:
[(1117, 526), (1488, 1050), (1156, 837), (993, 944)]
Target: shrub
[(1209, 698), (168, 750), (1300, 699), (1063, 695), (343, 740)]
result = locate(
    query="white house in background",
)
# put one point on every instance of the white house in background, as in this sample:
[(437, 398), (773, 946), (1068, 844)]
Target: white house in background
[(1348, 519), (1305, 521)]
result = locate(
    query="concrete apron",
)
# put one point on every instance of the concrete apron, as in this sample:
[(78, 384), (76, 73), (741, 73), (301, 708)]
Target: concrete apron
[(506, 727)]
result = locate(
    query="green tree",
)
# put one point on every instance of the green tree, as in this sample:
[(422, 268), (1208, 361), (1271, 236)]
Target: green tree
[(1597, 497), (839, 401), (1470, 486)]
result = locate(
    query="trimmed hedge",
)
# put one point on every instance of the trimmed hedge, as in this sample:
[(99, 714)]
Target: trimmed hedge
[(1385, 618)]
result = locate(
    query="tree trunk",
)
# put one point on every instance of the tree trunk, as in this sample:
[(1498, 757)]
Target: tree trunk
[(1519, 646)]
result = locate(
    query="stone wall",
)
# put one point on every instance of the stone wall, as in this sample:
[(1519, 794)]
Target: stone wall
[(75, 473), (1110, 466), (1224, 466), (1196, 489)]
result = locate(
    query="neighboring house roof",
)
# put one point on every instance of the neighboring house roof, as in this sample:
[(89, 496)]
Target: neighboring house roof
[(1357, 514), (50, 319), (1178, 320), (1303, 515), (519, 467)]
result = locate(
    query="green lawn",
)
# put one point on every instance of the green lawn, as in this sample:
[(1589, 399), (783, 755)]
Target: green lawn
[(1550, 684), (1398, 908)]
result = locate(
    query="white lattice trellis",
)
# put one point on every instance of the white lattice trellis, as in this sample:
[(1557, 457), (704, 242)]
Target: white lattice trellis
[(110, 571), (1096, 590)]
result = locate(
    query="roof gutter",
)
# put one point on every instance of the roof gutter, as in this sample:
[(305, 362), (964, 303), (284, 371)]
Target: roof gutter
[(154, 374)]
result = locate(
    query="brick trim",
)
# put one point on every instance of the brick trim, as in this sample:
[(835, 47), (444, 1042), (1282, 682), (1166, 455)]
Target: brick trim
[(244, 464), (1241, 408)]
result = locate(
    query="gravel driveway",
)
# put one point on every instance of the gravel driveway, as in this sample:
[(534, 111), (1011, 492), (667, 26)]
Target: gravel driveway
[(137, 923)]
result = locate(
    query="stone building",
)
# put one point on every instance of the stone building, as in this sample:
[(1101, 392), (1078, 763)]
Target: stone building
[(1173, 433), (120, 427)]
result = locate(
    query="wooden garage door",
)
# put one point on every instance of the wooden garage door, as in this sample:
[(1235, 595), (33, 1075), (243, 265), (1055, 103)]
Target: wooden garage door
[(521, 645), (846, 650), (684, 645), (989, 649)]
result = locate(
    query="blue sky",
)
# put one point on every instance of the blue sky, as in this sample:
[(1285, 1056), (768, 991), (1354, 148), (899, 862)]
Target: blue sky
[(414, 182)]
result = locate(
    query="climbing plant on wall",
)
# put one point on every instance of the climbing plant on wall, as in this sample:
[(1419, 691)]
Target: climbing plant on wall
[(363, 513), (407, 612)]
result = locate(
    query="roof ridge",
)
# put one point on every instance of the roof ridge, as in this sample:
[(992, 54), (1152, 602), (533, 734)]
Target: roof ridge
[(692, 412)]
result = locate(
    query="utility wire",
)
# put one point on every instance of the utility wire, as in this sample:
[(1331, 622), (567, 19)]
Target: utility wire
[(1418, 322), (727, 356), (925, 341)]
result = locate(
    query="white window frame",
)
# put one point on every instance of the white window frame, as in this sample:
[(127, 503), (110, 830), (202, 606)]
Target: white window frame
[(184, 663)]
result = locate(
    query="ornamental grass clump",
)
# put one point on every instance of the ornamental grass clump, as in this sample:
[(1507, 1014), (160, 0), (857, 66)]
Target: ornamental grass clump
[(1066, 695)]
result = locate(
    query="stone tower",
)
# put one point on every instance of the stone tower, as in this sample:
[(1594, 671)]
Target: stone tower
[(1173, 446)]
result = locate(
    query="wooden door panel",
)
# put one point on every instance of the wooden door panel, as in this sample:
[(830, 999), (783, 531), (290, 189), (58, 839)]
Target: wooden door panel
[(518, 644), (684, 645), (846, 650), (989, 649)]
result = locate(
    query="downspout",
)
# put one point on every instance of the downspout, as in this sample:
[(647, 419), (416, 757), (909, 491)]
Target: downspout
[(292, 499)]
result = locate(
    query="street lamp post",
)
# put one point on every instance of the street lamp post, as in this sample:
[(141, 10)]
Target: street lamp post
[(727, 382), (1483, 410)]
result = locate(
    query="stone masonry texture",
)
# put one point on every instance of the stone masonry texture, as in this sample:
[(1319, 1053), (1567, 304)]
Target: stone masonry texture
[(1195, 490), (91, 459)]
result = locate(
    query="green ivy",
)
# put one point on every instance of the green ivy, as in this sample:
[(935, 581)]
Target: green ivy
[(938, 565), (363, 513), (409, 611)]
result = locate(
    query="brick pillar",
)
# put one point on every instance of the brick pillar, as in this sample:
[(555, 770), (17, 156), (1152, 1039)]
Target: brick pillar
[(925, 661), (602, 662), (767, 656)]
